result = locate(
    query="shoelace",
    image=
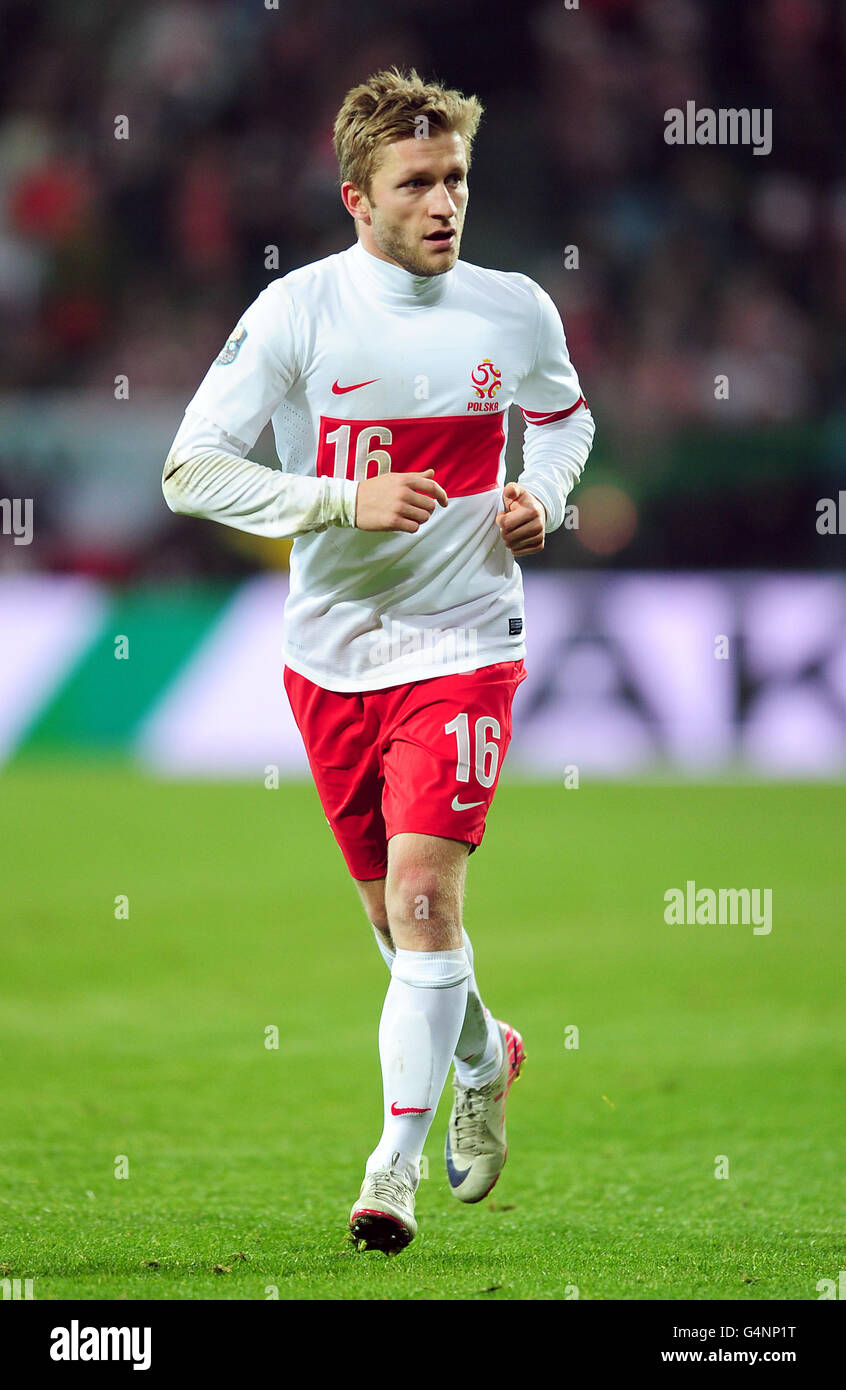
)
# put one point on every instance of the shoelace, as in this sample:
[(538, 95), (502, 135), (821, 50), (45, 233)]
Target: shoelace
[(391, 1186), (470, 1119)]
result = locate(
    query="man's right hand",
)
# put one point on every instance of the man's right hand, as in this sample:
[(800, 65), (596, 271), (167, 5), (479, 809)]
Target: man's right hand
[(397, 501)]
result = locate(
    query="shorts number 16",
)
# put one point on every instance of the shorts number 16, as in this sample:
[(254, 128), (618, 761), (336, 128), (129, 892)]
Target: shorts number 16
[(487, 753)]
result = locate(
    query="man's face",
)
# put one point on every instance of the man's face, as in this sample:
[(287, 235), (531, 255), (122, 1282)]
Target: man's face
[(414, 215)]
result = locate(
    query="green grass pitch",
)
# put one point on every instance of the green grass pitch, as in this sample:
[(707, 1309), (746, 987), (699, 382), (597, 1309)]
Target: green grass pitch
[(145, 1038)]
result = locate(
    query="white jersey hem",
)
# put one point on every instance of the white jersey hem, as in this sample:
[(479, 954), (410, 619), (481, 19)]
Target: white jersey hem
[(425, 671)]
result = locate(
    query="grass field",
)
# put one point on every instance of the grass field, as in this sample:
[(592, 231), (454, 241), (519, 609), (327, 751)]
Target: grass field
[(145, 1038)]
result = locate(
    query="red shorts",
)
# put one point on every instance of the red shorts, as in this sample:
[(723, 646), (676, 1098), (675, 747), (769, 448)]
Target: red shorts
[(423, 757)]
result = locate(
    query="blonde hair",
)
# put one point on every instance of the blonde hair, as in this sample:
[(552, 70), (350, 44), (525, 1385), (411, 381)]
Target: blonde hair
[(388, 107)]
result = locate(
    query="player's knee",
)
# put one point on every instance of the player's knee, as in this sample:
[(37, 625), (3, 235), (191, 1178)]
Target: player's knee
[(418, 898)]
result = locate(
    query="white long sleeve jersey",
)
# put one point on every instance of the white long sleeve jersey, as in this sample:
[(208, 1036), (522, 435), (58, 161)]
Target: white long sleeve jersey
[(363, 368)]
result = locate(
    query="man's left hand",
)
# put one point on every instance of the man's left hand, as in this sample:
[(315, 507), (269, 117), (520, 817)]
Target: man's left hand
[(522, 524)]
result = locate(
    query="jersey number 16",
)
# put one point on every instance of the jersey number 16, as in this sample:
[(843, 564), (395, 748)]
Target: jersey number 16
[(368, 462)]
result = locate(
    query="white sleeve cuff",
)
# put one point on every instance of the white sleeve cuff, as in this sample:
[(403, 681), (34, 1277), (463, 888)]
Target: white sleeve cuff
[(340, 501), (207, 476)]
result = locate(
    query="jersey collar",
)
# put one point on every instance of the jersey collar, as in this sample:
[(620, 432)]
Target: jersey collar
[(396, 286)]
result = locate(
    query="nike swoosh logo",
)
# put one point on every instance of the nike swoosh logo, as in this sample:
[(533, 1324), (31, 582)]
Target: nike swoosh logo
[(409, 1109), (455, 1177), (342, 390), (464, 805)]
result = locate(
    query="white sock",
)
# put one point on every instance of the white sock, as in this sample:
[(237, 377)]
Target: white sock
[(478, 1052), (421, 1020)]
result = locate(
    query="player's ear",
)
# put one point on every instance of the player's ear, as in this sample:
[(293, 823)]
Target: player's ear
[(355, 201)]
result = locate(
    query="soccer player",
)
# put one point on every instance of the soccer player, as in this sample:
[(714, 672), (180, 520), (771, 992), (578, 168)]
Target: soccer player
[(387, 371)]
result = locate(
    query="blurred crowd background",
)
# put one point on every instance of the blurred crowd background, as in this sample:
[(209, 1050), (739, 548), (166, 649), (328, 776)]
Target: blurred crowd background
[(137, 256)]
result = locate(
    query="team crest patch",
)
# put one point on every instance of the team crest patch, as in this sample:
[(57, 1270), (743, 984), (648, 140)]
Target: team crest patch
[(232, 346), (486, 379)]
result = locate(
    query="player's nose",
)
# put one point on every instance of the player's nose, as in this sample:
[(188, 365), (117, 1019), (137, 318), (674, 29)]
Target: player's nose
[(441, 204)]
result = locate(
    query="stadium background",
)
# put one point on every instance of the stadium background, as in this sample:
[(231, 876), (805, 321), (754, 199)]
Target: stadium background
[(131, 260)]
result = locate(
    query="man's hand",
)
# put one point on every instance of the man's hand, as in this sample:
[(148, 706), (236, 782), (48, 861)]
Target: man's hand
[(397, 501), (523, 523)]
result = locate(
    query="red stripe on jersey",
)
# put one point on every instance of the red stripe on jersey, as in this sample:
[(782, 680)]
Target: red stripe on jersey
[(463, 450), (535, 417)]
